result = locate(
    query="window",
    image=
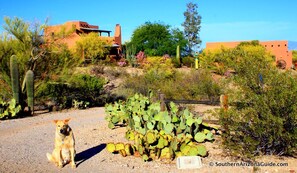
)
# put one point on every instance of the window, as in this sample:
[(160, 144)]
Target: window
[(278, 45), (271, 45), (285, 45)]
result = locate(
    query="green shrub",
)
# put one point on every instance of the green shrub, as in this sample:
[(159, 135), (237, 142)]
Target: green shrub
[(203, 84), (224, 59), (79, 87), (56, 92), (157, 71), (262, 118), (188, 61), (294, 56), (91, 47), (197, 84), (158, 68), (219, 61), (175, 62), (5, 88)]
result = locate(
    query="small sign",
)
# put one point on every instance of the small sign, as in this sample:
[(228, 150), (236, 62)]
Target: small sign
[(188, 162)]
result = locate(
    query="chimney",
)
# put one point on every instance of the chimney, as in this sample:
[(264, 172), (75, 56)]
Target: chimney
[(118, 35)]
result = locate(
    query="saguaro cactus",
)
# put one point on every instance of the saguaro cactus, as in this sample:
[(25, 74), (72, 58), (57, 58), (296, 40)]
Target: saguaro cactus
[(14, 73), (30, 89), (178, 54)]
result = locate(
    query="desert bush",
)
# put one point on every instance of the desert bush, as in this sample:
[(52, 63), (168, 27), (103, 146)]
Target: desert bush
[(188, 61), (58, 61), (114, 72), (203, 84), (156, 71), (197, 84), (262, 117), (158, 68), (55, 92), (97, 70), (90, 46), (219, 61), (224, 59), (5, 88), (78, 87), (176, 62)]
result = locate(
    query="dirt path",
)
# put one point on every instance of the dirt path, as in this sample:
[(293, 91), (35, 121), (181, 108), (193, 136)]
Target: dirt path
[(25, 142)]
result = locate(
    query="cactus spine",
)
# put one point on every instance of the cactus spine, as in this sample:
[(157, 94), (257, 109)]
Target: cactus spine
[(14, 73), (30, 89), (178, 54)]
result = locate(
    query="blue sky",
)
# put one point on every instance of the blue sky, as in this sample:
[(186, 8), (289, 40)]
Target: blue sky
[(222, 20)]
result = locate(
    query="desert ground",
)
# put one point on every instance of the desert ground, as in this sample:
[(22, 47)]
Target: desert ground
[(24, 143)]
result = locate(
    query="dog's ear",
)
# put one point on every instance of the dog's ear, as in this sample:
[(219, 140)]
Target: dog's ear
[(66, 120), (55, 121)]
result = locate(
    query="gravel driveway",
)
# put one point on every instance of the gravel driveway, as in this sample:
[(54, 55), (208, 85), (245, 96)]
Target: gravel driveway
[(24, 143)]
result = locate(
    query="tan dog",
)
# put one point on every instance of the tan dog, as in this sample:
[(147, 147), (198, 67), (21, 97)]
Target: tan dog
[(64, 151)]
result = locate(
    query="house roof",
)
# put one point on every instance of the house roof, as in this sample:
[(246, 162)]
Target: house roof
[(94, 29)]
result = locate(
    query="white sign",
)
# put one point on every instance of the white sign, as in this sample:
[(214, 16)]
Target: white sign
[(188, 162)]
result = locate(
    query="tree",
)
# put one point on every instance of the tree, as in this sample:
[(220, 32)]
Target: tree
[(29, 39), (91, 46), (224, 59), (294, 54), (24, 40), (262, 118), (192, 27), (157, 39)]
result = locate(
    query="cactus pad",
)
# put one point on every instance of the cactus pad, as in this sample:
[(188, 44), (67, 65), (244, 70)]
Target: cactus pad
[(111, 147), (202, 150), (200, 137)]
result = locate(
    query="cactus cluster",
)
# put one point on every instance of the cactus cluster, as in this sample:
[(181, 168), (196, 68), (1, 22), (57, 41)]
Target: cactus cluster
[(28, 83), (156, 133)]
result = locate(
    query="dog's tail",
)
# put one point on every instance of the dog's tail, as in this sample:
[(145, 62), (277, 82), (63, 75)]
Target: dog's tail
[(49, 156)]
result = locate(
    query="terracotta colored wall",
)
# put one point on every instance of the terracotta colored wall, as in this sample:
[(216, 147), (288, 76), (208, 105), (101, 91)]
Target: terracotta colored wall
[(76, 26), (218, 45), (280, 50), (277, 48)]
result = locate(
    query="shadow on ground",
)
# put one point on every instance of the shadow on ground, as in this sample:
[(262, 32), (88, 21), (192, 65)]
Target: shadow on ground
[(87, 154)]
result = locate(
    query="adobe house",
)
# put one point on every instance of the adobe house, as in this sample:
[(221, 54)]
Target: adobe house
[(70, 32), (279, 49)]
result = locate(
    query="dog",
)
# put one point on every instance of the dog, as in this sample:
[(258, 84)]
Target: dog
[(64, 151)]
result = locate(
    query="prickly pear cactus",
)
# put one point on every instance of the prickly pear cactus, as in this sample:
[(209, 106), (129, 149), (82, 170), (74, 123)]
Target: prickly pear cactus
[(157, 134), (9, 109)]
